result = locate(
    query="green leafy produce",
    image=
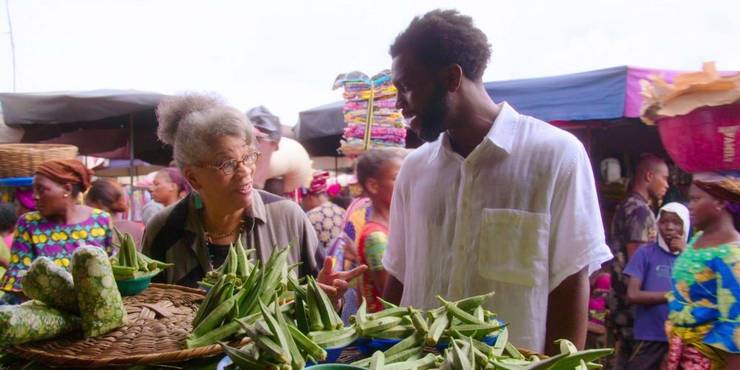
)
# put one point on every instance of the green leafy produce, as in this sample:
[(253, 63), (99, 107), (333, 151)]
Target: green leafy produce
[(101, 306), (33, 321), (47, 282)]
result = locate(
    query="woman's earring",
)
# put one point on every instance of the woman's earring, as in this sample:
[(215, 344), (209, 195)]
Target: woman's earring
[(66, 195)]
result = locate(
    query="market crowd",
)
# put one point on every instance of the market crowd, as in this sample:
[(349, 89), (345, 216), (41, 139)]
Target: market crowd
[(494, 201)]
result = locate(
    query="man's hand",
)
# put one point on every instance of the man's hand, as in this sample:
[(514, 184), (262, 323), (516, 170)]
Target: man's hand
[(335, 283)]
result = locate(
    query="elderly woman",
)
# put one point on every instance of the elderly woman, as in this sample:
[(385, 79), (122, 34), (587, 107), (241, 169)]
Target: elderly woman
[(214, 146), (61, 223)]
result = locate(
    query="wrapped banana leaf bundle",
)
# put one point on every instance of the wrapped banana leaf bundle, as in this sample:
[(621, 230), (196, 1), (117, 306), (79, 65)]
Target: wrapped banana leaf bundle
[(33, 321), (52, 284), (101, 306)]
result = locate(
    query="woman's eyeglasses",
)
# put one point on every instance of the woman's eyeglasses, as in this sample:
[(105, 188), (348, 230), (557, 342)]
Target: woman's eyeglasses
[(229, 166)]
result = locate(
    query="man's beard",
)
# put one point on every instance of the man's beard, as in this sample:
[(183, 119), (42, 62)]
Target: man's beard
[(432, 118)]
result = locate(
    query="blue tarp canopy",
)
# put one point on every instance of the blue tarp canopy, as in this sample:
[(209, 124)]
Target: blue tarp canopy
[(593, 95)]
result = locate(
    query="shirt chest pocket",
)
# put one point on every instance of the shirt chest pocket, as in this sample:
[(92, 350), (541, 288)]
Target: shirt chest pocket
[(513, 246)]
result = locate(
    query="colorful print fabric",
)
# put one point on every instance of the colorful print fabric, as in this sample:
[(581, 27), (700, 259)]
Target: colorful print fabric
[(327, 221), (705, 299), (36, 236)]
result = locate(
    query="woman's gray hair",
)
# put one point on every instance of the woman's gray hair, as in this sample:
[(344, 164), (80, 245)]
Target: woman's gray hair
[(190, 123)]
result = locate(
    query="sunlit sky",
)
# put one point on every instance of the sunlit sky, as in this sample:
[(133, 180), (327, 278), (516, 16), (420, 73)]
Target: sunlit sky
[(286, 54)]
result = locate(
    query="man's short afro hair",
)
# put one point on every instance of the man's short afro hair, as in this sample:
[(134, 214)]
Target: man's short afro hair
[(444, 37)]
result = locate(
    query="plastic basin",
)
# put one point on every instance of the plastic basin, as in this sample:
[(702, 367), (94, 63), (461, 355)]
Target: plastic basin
[(137, 285)]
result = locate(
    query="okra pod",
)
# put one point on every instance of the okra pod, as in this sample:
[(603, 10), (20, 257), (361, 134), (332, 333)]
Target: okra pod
[(377, 360), (214, 336), (217, 316), (501, 341), (459, 313), (297, 360), (379, 325), (396, 332), (412, 341), (513, 352), (437, 328), (268, 346), (477, 331), (460, 359), (309, 346), (471, 303), (277, 332), (426, 362), (418, 321), (244, 360), (390, 312)]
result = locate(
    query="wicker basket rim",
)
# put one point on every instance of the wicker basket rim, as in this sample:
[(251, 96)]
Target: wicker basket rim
[(81, 360)]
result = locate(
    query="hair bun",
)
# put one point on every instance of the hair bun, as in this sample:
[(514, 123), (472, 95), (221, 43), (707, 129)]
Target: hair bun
[(171, 111)]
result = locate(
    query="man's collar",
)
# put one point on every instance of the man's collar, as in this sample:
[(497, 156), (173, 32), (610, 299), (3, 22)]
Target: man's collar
[(504, 128), (501, 134)]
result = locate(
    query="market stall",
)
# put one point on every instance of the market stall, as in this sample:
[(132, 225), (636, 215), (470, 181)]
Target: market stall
[(261, 316)]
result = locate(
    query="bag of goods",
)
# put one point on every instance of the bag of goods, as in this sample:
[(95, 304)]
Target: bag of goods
[(33, 321), (52, 284), (101, 306)]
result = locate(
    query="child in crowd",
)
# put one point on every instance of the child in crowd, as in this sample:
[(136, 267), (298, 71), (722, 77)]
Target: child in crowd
[(376, 172), (649, 272)]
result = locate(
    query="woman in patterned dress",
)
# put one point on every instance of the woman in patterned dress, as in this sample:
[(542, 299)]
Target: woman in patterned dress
[(61, 223), (704, 304)]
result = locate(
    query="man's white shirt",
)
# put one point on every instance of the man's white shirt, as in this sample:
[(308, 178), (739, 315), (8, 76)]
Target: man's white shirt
[(517, 216)]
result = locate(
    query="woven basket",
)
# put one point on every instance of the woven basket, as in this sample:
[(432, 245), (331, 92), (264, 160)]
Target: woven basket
[(20, 160), (159, 320)]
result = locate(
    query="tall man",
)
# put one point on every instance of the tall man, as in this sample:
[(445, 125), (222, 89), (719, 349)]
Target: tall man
[(495, 200), (633, 225)]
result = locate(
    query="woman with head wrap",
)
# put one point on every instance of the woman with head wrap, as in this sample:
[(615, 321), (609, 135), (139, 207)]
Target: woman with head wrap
[(61, 223), (214, 146), (704, 304)]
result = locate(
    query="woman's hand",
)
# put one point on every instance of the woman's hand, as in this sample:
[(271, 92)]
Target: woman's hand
[(335, 283)]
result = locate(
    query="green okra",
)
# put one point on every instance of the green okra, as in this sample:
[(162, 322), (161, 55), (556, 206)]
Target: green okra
[(312, 349), (267, 345), (297, 360), (418, 321), (301, 318), (214, 318), (437, 328), (377, 360), (277, 333), (390, 312), (471, 303), (426, 362), (459, 313), (378, 325), (396, 332), (412, 341), (477, 331), (245, 360), (501, 341), (513, 352), (328, 335)]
